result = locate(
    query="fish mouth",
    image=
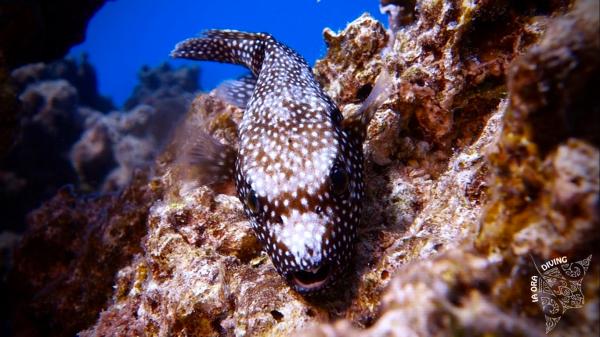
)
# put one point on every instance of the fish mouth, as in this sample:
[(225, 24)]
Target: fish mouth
[(312, 279)]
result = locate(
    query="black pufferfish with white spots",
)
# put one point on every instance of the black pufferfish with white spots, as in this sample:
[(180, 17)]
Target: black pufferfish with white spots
[(298, 168)]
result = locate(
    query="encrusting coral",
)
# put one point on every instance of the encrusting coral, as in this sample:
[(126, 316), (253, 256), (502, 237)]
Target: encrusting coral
[(483, 152), (69, 134)]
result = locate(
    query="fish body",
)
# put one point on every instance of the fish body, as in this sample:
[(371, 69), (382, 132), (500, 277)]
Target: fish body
[(298, 168)]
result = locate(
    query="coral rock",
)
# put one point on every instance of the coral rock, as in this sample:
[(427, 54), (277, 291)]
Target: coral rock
[(79, 73), (65, 265), (68, 136), (38, 31), (464, 184), (203, 273), (352, 61)]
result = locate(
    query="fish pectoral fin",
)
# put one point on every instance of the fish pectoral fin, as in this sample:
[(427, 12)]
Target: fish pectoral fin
[(237, 92), (382, 90), (214, 161)]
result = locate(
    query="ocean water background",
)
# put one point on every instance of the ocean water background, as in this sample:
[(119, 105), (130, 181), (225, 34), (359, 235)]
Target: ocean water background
[(127, 34)]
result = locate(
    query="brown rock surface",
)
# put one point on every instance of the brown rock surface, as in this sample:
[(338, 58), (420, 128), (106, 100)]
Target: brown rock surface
[(36, 31), (69, 134), (488, 137), (66, 263)]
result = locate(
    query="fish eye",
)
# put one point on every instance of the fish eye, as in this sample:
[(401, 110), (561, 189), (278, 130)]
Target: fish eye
[(252, 202), (339, 181)]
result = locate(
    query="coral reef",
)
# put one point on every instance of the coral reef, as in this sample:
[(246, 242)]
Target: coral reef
[(70, 134), (534, 194), (78, 73), (483, 154), (35, 167), (117, 143), (36, 31), (66, 264)]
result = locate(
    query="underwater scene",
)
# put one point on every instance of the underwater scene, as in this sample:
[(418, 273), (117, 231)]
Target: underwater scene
[(299, 168)]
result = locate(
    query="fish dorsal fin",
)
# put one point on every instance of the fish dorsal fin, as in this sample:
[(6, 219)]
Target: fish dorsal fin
[(237, 92)]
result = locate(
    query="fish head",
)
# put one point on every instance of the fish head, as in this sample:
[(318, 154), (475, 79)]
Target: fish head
[(301, 188)]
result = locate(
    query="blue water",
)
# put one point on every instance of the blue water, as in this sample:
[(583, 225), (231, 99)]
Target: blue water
[(126, 34)]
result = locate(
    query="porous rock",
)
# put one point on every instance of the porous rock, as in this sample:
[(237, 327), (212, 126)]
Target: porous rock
[(70, 134), (468, 185), (202, 272), (65, 265)]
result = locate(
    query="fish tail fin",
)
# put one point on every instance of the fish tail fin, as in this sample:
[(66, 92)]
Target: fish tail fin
[(226, 46)]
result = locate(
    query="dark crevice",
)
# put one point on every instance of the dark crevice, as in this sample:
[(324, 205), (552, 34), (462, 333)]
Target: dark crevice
[(278, 316)]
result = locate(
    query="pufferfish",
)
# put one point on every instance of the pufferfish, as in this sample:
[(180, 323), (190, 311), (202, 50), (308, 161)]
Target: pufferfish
[(298, 167)]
